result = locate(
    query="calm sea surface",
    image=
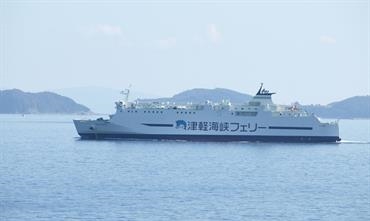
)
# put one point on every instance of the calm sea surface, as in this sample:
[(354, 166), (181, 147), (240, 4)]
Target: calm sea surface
[(47, 173)]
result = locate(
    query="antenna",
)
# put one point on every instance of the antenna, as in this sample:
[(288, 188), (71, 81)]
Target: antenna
[(263, 91), (126, 93), (260, 90)]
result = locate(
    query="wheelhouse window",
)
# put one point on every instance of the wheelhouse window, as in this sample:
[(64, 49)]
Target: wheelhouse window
[(246, 113)]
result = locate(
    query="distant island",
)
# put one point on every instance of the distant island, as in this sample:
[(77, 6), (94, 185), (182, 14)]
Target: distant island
[(200, 95), (18, 102), (353, 107)]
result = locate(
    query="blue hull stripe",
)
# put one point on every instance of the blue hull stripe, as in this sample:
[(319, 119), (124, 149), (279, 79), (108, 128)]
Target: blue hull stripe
[(291, 128), (216, 138), (159, 125)]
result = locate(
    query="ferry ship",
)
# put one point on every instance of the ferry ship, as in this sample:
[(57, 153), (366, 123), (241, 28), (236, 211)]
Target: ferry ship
[(258, 120)]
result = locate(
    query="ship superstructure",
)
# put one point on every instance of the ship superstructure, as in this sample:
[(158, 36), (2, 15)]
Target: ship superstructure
[(257, 120)]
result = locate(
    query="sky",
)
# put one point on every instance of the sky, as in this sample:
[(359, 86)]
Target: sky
[(307, 51)]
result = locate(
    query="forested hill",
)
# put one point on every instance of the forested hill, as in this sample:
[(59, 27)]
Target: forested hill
[(16, 101)]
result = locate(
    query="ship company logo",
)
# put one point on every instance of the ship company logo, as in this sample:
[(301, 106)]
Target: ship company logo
[(181, 124)]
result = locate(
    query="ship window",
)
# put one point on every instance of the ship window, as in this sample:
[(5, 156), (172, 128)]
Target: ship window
[(254, 103), (246, 113), (177, 112), (157, 112), (144, 111), (135, 111), (161, 112), (153, 112), (193, 112)]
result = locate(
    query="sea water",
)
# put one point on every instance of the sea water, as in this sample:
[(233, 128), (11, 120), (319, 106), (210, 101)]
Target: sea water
[(48, 173)]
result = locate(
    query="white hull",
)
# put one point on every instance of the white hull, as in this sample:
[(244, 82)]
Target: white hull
[(259, 120), (207, 125)]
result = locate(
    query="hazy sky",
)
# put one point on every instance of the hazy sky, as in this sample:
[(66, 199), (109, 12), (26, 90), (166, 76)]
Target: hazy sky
[(310, 51)]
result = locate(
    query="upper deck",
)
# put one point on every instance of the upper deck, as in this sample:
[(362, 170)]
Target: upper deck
[(262, 101)]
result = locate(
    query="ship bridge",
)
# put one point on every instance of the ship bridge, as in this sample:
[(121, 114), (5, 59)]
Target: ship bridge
[(262, 98)]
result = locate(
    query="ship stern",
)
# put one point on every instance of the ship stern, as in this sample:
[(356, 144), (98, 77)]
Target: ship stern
[(330, 130)]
